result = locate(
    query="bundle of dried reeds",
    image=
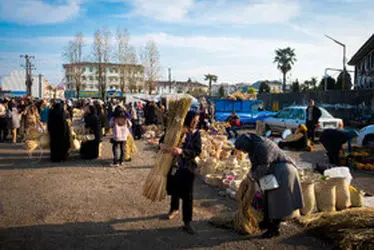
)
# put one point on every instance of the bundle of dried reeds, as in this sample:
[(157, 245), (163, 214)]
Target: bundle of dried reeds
[(155, 184), (348, 229), (246, 219)]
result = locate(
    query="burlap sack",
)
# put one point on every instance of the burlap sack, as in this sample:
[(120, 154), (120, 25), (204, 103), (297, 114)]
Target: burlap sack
[(309, 198), (357, 197), (343, 196), (325, 196)]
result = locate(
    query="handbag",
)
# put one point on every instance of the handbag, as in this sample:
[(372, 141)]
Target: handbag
[(269, 182)]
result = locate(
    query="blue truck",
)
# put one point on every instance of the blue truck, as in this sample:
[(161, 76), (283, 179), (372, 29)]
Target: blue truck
[(249, 111)]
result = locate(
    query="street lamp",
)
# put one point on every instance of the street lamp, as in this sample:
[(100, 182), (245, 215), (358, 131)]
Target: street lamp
[(343, 45)]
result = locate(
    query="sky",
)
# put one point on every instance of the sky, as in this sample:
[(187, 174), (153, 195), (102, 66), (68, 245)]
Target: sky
[(233, 39)]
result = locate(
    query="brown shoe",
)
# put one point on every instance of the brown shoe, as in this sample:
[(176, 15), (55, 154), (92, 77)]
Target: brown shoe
[(172, 214)]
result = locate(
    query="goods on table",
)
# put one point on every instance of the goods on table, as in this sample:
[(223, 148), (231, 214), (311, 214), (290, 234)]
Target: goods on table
[(308, 197), (325, 196), (152, 131), (155, 185), (363, 158), (219, 127), (357, 197), (347, 229), (343, 197)]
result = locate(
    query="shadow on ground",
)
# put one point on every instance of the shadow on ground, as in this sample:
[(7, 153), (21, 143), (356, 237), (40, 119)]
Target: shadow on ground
[(108, 235)]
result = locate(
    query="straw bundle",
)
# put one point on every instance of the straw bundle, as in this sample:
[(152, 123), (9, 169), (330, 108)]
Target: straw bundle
[(247, 218), (130, 147), (155, 185), (357, 197), (348, 229)]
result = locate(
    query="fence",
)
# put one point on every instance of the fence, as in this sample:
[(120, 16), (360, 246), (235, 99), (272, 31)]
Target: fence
[(348, 105)]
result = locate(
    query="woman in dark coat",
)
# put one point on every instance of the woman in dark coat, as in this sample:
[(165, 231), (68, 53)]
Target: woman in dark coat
[(90, 149), (59, 133), (268, 158), (181, 176)]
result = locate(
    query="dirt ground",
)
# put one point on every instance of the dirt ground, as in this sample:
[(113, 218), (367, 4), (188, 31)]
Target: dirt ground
[(83, 204)]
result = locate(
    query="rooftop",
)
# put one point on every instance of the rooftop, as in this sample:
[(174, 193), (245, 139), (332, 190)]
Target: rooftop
[(67, 65), (364, 50)]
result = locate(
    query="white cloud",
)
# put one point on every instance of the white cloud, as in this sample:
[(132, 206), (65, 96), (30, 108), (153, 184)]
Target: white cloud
[(31, 12), (216, 12), (165, 10)]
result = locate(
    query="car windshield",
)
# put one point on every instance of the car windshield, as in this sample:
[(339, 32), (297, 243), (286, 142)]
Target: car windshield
[(325, 113)]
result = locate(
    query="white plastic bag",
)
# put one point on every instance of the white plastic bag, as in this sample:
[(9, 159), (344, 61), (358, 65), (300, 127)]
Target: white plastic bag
[(340, 172)]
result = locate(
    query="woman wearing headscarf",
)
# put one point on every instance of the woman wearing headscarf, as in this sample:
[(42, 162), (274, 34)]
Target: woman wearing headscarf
[(90, 148), (59, 133), (297, 141), (267, 158), (181, 176)]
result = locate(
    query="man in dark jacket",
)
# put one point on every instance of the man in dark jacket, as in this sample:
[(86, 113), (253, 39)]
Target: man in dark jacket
[(313, 113)]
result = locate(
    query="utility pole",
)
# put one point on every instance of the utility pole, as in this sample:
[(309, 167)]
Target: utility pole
[(344, 51), (169, 69), (40, 86), (28, 67)]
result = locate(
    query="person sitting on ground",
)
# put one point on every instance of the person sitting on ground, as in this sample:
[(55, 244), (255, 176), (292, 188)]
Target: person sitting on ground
[(234, 121), (333, 141), (297, 141)]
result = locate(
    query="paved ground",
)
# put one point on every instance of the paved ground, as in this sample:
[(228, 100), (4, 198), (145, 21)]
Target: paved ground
[(88, 205)]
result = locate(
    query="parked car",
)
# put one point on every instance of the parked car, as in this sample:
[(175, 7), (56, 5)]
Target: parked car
[(366, 136), (249, 111), (292, 117)]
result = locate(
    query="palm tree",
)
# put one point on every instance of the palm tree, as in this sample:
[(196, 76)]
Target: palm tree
[(211, 78), (285, 58)]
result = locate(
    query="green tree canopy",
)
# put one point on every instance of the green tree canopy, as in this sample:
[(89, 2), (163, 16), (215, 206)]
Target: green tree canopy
[(285, 59), (251, 91), (211, 78), (221, 91), (295, 87), (264, 88), (330, 83), (347, 81)]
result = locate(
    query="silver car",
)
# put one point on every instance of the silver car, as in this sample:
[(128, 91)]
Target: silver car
[(292, 117)]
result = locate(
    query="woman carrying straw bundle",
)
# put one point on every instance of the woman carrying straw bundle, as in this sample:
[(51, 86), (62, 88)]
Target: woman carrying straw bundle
[(181, 175), (267, 158)]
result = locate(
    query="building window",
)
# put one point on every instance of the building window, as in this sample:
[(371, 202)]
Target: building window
[(91, 78), (91, 70), (84, 78)]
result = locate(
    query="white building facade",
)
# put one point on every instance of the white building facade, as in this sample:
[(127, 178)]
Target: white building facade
[(14, 84), (178, 87), (131, 74)]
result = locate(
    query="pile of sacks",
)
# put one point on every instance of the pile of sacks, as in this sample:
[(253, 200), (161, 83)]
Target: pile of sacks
[(329, 192)]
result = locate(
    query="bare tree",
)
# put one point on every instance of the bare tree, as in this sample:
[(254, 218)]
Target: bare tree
[(101, 54), (150, 58), (73, 53), (122, 37)]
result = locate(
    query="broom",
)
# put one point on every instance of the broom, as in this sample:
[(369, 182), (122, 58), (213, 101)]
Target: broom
[(155, 184)]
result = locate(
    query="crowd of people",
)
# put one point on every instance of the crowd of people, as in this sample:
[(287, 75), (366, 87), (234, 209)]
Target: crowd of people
[(21, 118)]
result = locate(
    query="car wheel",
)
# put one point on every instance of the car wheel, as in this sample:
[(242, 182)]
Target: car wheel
[(368, 141)]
